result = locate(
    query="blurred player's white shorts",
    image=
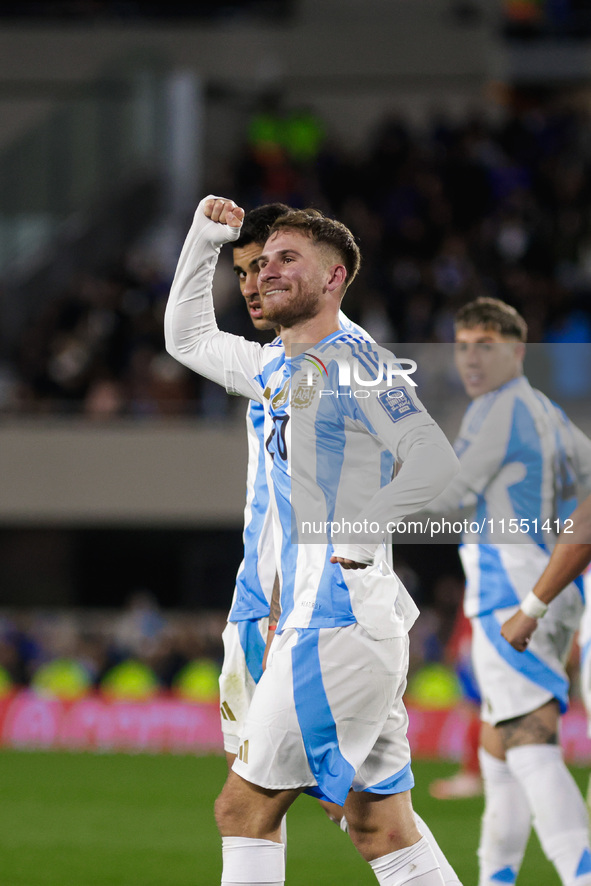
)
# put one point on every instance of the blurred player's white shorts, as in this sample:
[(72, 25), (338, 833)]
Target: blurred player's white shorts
[(328, 715), (514, 683), (244, 647)]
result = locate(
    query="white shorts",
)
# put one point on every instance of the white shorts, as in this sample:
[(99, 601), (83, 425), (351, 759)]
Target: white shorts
[(328, 715), (244, 647), (515, 683)]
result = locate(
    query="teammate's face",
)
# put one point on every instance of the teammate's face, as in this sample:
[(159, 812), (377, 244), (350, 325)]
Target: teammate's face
[(486, 360), (292, 278), (247, 270)]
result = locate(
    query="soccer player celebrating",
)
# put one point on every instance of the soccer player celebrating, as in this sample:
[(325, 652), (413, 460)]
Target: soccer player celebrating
[(521, 460), (327, 714), (255, 606)]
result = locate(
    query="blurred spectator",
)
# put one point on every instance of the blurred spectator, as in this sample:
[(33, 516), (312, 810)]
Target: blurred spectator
[(442, 215), (61, 652)]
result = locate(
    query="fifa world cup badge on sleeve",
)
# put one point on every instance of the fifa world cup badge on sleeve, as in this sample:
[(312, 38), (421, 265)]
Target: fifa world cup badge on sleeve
[(398, 403)]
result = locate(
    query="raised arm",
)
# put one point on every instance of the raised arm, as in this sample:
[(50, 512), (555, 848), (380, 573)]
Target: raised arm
[(570, 557), (190, 329)]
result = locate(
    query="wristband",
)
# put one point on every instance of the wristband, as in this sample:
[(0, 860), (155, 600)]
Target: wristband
[(533, 606), (272, 628)]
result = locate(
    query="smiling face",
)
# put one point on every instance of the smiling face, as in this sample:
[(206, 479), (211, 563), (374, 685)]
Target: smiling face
[(294, 274), (247, 270), (486, 359)]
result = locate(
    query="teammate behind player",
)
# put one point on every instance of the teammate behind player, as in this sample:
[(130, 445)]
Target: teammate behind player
[(245, 635), (521, 460)]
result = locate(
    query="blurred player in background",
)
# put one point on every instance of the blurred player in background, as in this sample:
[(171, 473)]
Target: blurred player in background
[(569, 559), (522, 460), (303, 283)]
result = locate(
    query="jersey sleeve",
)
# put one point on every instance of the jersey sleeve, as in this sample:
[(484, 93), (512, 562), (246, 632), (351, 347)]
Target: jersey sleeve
[(427, 464), (190, 329), (399, 421), (582, 458), (480, 447)]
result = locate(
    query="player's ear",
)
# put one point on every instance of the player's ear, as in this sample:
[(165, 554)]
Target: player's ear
[(337, 276)]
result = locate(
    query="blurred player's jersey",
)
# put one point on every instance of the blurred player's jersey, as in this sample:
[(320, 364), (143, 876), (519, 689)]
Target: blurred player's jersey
[(585, 647), (256, 574), (522, 461)]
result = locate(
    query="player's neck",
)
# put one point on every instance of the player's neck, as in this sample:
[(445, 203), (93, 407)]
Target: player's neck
[(308, 332)]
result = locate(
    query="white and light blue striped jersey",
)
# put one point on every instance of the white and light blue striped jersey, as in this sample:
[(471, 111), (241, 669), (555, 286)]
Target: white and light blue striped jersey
[(357, 435), (256, 573), (331, 454), (522, 462)]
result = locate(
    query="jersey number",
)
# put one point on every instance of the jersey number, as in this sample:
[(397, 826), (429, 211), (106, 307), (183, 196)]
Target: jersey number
[(278, 430)]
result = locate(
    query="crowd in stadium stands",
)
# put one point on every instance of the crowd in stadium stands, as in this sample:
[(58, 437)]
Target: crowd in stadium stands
[(128, 10), (441, 216), (133, 652), (141, 648)]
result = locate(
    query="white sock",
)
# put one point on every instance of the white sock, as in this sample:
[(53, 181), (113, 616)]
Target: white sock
[(560, 814), (250, 862), (450, 878), (284, 835), (414, 864), (506, 823)]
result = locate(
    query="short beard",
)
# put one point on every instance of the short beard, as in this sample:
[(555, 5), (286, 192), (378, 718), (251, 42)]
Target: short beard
[(294, 311)]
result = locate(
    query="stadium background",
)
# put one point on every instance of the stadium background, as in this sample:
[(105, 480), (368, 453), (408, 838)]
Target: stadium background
[(453, 136)]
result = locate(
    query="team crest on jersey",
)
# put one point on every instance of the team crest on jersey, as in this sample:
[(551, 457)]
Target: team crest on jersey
[(398, 403), (302, 397), (304, 394), (281, 398)]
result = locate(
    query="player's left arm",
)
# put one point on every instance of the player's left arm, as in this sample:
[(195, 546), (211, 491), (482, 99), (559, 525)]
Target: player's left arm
[(427, 465), (481, 454)]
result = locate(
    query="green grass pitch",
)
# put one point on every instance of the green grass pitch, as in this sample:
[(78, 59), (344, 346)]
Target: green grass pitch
[(120, 820)]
